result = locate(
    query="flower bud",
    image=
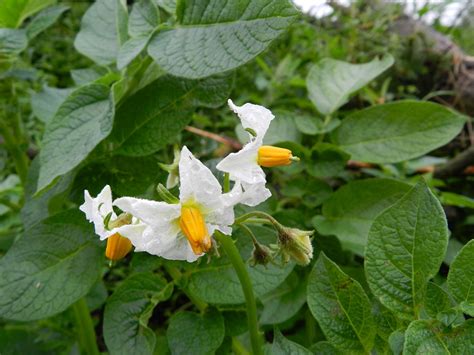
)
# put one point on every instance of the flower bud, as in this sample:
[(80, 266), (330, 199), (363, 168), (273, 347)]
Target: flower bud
[(261, 255), (295, 244), (117, 245), (269, 156)]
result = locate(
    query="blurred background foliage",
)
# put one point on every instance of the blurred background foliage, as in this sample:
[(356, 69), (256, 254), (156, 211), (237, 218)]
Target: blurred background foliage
[(276, 79)]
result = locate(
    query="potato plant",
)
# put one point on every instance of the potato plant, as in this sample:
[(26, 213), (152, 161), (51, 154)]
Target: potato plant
[(197, 180)]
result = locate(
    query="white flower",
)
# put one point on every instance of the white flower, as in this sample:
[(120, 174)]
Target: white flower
[(244, 167), (183, 231), (97, 209)]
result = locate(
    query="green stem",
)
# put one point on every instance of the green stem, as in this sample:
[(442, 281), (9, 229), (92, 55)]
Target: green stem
[(18, 156), (257, 221), (258, 214), (310, 327), (177, 277), (327, 119), (233, 253), (238, 348), (226, 187), (85, 328)]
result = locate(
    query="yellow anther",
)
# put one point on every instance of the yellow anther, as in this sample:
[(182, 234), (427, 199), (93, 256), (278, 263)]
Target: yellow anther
[(117, 247), (269, 156), (194, 228)]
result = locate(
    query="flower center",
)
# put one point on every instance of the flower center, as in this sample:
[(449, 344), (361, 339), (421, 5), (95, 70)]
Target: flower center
[(269, 156), (117, 247), (194, 228)]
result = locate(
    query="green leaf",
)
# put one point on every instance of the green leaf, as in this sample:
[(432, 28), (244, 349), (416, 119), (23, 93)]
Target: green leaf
[(452, 317), (431, 337), (397, 131), (324, 348), (130, 50), (225, 35), (12, 41), (44, 20), (218, 283), (284, 302), (314, 125), (350, 211), (341, 307), (282, 129), (50, 267), (189, 333), (405, 248), (313, 194), (161, 110), (144, 18), (461, 275), (127, 176), (23, 341), (452, 199), (386, 322), (454, 247), (37, 208), (396, 341), (467, 308), (128, 310), (436, 300), (283, 346), (167, 5), (235, 322), (46, 103), (14, 12), (87, 75), (97, 296), (330, 81), (327, 160), (101, 31), (81, 122)]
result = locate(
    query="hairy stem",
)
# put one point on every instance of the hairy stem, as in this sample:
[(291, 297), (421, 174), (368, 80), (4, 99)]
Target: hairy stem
[(233, 253), (85, 328), (260, 215)]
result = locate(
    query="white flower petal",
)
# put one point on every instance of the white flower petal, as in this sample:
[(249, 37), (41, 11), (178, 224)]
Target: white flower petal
[(234, 196), (97, 208), (221, 218), (171, 246), (252, 116), (243, 165), (254, 194), (197, 182), (172, 180), (159, 215), (133, 232)]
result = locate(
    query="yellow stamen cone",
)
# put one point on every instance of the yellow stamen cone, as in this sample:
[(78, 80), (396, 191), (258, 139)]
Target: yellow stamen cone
[(117, 247), (269, 156), (194, 228)]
